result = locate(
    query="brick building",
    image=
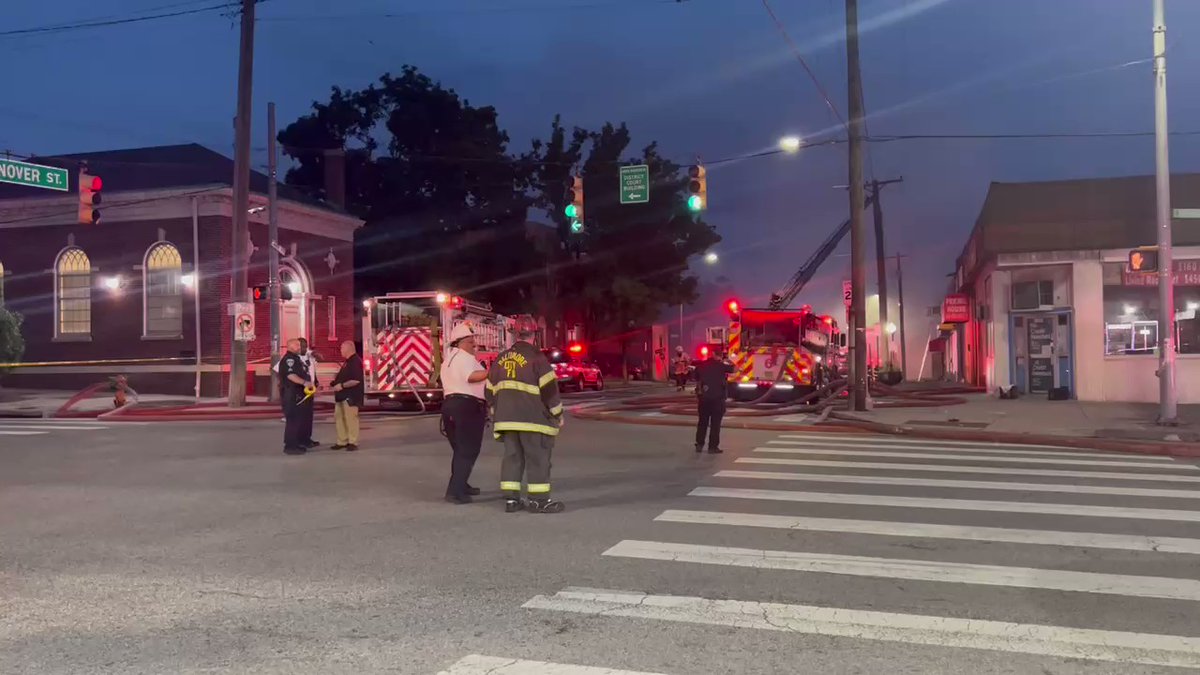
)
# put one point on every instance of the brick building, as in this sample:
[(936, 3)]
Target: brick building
[(149, 285)]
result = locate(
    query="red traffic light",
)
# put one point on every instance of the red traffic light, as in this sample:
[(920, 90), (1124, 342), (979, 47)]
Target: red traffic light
[(97, 184), (575, 348)]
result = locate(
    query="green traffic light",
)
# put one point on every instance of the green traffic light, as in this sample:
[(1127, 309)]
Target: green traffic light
[(695, 203), (576, 226), (570, 210)]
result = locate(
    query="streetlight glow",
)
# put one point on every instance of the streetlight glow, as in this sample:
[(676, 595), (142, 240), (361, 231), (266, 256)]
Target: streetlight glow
[(790, 144), (711, 258)]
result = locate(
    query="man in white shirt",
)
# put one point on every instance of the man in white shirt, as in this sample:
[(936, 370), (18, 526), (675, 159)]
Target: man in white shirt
[(464, 411)]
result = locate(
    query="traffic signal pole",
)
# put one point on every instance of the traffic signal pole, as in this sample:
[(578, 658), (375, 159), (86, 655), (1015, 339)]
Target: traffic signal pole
[(273, 252), (1168, 408), (239, 261), (858, 239)]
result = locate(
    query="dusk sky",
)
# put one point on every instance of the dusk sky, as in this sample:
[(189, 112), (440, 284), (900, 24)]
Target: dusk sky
[(712, 78)]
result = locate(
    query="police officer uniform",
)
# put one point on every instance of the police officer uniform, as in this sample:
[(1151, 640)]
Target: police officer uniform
[(712, 377), (294, 403), (464, 413)]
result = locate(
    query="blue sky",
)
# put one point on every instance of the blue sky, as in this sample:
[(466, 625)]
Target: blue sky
[(707, 78)]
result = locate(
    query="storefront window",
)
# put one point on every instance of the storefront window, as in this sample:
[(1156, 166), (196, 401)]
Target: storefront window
[(1131, 310)]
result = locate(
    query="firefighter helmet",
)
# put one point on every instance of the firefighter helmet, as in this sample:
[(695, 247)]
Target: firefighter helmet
[(461, 332), (524, 326)]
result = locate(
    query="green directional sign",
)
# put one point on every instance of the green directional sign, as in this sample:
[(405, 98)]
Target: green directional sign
[(33, 175), (635, 184)]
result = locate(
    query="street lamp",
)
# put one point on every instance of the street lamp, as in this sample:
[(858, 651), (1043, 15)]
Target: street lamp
[(790, 144), (711, 258)]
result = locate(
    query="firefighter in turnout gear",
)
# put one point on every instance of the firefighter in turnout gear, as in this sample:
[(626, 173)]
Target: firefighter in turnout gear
[(522, 391)]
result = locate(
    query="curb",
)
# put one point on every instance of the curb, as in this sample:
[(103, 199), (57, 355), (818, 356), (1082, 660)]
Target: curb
[(842, 425)]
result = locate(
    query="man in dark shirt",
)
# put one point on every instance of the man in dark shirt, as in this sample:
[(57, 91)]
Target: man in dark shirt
[(712, 378), (295, 379), (348, 398)]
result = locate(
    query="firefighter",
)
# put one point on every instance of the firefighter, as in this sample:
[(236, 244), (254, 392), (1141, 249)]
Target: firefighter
[(295, 380), (464, 410), (712, 377), (522, 390), (682, 367)]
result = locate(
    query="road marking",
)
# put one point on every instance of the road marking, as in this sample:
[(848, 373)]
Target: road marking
[(22, 433), (53, 427), (969, 533), (957, 468), (968, 484), (909, 440), (950, 451), (1004, 636), (952, 504), (798, 417), (914, 570), (476, 664), (985, 458)]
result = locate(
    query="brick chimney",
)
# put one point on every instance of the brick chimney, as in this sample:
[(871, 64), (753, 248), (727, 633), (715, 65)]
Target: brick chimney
[(335, 177)]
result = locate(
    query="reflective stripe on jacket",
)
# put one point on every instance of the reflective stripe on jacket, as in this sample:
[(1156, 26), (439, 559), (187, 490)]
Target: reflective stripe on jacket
[(522, 389)]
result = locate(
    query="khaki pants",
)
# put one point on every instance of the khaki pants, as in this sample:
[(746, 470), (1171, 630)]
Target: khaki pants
[(345, 416)]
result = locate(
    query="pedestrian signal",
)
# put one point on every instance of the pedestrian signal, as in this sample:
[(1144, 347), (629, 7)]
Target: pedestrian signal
[(1143, 259)]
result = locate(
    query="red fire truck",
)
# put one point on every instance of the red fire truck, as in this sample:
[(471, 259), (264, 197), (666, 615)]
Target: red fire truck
[(403, 343), (778, 351)]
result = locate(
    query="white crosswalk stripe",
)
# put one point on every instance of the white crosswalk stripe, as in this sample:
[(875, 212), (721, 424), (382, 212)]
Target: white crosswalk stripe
[(1106, 505), (40, 427), (477, 664)]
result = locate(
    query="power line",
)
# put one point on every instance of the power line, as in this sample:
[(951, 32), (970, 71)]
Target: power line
[(800, 57), (469, 10), (117, 21)]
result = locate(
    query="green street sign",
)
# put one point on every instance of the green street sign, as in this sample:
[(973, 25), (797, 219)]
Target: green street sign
[(33, 175), (635, 184)]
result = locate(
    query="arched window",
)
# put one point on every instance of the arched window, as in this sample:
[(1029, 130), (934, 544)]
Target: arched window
[(163, 291), (73, 293)]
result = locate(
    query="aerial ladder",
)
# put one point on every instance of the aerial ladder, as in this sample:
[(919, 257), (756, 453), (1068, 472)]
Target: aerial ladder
[(784, 296)]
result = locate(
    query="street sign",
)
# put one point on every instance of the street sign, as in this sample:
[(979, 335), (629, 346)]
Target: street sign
[(847, 292), (33, 175), (1185, 213), (243, 327), (635, 184)]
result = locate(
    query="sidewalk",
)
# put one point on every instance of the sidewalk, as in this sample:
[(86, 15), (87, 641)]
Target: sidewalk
[(1133, 421)]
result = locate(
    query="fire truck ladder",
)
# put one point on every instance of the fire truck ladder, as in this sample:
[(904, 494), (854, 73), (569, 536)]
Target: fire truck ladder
[(784, 296)]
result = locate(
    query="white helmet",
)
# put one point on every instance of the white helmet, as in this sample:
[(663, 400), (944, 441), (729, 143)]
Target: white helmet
[(461, 331)]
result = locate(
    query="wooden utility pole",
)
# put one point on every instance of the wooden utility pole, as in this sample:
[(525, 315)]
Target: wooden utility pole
[(900, 309), (238, 260), (858, 238)]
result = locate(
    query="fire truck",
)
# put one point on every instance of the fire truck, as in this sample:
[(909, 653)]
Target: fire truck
[(785, 353), (403, 343)]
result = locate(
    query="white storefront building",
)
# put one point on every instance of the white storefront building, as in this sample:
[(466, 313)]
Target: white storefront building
[(1054, 305)]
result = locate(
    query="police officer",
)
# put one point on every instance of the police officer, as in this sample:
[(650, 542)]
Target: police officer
[(310, 363), (464, 410), (522, 389), (295, 379), (712, 378)]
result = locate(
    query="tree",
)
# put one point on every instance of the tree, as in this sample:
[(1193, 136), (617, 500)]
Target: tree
[(12, 344), (445, 203), (633, 258)]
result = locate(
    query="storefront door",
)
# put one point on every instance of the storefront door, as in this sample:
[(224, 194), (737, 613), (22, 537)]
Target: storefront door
[(1042, 352)]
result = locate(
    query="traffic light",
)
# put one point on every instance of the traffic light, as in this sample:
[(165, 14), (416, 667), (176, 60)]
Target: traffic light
[(574, 207), (697, 200), (1143, 259), (89, 198), (262, 292)]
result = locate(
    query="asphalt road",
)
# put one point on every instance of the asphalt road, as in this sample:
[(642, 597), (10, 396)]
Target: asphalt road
[(187, 548)]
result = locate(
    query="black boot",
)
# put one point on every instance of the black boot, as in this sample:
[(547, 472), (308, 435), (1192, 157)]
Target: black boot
[(545, 505), (513, 505)]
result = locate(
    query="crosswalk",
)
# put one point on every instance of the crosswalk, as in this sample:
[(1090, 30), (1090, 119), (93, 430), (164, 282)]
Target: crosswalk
[(1117, 533), (43, 427)]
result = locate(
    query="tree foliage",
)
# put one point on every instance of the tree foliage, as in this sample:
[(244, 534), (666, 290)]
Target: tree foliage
[(446, 204), (12, 344)]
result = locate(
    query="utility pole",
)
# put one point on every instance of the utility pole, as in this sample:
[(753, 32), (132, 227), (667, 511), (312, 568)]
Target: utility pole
[(858, 239), (238, 261), (1167, 408), (881, 272), (900, 308), (273, 253)]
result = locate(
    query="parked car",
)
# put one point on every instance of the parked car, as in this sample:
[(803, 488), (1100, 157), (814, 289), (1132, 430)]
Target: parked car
[(574, 372)]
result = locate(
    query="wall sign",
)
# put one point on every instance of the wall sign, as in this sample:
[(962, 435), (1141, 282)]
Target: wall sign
[(956, 308)]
